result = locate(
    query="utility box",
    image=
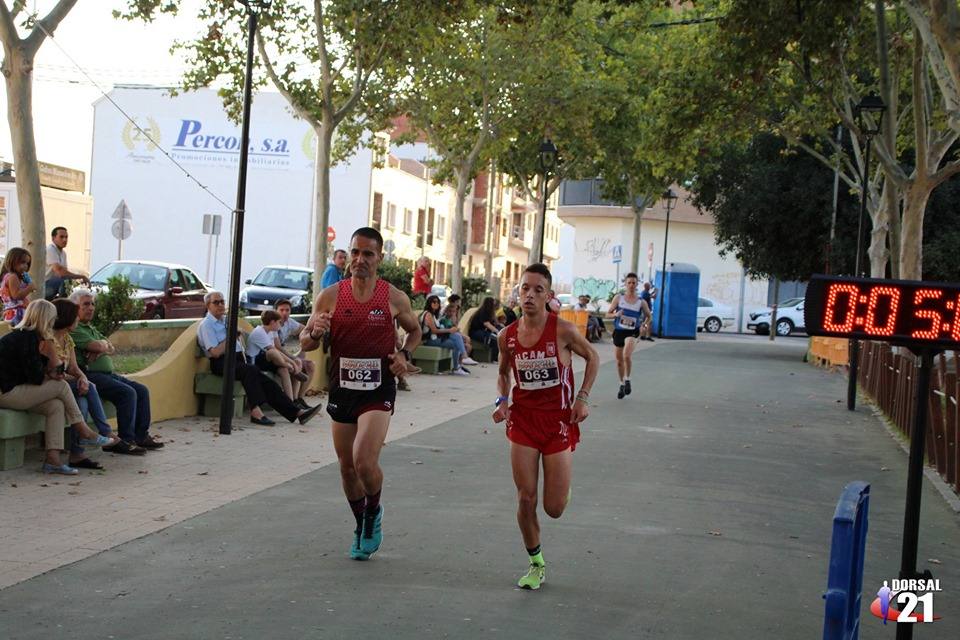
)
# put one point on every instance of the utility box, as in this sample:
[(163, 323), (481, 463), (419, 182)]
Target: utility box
[(679, 297)]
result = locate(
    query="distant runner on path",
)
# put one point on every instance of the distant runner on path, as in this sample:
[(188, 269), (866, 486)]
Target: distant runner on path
[(357, 317), (543, 418)]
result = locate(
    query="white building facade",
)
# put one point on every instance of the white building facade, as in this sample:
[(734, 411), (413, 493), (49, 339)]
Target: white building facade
[(604, 229)]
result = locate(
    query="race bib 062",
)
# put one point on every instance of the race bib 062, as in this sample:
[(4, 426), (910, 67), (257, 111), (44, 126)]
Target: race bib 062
[(628, 322), (539, 373), (361, 374)]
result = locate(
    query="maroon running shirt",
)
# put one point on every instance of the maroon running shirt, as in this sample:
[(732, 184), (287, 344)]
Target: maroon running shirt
[(362, 335)]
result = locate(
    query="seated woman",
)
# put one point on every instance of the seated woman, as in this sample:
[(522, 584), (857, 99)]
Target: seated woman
[(451, 318), (31, 379), (84, 391), (435, 335), (484, 327)]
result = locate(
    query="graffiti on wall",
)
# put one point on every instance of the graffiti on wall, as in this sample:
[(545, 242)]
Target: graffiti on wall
[(725, 288), (594, 288), (596, 248)]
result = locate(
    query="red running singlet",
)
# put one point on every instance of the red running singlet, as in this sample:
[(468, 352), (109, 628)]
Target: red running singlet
[(362, 335), (542, 382)]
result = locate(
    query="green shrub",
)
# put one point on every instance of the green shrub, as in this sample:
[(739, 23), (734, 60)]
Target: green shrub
[(398, 276), (115, 305), (475, 289)]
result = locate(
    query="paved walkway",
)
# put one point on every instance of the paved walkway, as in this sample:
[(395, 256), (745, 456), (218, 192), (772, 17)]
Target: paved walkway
[(701, 509), (50, 521)]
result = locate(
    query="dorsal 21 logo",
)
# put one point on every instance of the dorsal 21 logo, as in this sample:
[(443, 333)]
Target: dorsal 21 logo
[(910, 593)]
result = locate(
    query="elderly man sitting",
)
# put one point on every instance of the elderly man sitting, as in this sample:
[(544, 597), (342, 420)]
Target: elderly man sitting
[(131, 399), (212, 335), (594, 325)]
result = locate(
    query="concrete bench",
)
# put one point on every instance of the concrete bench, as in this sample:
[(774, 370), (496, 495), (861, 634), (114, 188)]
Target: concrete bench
[(17, 426), (209, 388), (433, 359), (481, 352)]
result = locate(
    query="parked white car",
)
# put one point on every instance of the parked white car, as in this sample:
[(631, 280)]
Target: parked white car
[(713, 316), (789, 318)]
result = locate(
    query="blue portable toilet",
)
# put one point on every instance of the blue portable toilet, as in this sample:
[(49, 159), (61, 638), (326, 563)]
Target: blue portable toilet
[(680, 297)]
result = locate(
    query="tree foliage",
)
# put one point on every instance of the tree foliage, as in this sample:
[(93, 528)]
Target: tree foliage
[(772, 209), (116, 304)]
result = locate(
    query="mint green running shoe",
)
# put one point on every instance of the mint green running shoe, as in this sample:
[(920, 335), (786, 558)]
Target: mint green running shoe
[(355, 551), (535, 576), (372, 532)]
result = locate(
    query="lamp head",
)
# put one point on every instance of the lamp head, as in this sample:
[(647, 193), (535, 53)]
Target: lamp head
[(669, 199), (548, 155), (875, 107)]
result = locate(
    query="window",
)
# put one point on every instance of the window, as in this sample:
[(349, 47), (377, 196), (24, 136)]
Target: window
[(705, 303), (421, 226), (391, 216), (408, 221), (441, 226), (431, 216), (190, 281), (175, 279), (517, 226), (377, 212)]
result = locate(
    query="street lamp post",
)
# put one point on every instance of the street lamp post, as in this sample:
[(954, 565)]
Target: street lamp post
[(253, 10), (869, 114), (548, 162), (669, 203)]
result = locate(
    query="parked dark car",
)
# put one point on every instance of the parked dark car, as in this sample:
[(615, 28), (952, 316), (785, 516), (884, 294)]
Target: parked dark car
[(275, 282), (167, 290)]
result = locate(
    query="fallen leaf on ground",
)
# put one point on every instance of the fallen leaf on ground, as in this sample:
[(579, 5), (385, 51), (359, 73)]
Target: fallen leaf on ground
[(715, 533), (75, 484), (933, 561), (13, 484), (73, 493), (204, 473), (161, 519), (143, 472), (416, 462)]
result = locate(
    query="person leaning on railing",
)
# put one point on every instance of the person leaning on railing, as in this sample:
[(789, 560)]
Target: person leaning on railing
[(31, 379)]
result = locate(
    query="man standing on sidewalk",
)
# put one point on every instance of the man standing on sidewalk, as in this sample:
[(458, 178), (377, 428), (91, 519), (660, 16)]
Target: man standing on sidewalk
[(357, 317), (543, 419)]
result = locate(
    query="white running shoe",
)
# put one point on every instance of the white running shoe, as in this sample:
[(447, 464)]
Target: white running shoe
[(469, 361), (459, 372)]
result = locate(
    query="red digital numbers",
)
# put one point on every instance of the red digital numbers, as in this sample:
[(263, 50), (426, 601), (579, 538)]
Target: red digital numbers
[(933, 332), (833, 297), (876, 293), (955, 329)]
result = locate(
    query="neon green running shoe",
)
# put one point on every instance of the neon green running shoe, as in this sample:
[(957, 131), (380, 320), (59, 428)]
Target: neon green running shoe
[(535, 576)]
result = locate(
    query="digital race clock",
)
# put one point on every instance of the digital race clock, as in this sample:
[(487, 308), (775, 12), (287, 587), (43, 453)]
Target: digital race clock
[(904, 312)]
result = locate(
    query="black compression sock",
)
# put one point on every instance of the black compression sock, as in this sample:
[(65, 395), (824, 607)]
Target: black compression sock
[(373, 503)]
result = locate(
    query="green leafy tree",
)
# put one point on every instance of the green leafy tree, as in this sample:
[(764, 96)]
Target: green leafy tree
[(116, 304), (474, 290), (19, 53), (397, 275), (772, 210), (335, 61)]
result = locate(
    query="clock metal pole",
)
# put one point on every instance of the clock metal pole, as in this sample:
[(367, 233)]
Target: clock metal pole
[(911, 515)]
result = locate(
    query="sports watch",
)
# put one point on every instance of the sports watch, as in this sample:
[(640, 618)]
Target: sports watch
[(500, 400)]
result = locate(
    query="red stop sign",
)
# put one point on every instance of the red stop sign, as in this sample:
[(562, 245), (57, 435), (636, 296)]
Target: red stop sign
[(331, 234)]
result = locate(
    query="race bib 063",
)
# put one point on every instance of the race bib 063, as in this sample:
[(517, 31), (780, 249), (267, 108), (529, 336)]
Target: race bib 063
[(361, 374), (628, 322), (539, 373)]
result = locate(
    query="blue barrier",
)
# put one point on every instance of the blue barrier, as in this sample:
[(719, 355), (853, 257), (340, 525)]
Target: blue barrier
[(845, 581)]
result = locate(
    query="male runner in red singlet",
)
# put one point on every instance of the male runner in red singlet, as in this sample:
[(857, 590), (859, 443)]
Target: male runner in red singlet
[(357, 316), (543, 419)]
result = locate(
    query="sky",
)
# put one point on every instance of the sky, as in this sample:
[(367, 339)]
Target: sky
[(112, 52)]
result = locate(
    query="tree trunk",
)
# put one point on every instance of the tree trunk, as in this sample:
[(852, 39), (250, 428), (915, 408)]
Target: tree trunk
[(880, 223), (776, 302), (18, 73), (488, 231), (322, 195), (890, 200), (911, 241), (635, 259), (456, 270)]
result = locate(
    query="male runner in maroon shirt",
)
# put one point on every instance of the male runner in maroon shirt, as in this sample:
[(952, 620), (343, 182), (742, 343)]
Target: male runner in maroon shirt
[(543, 419), (357, 316)]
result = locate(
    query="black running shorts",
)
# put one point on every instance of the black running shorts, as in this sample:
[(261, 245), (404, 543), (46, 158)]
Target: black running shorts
[(620, 336)]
